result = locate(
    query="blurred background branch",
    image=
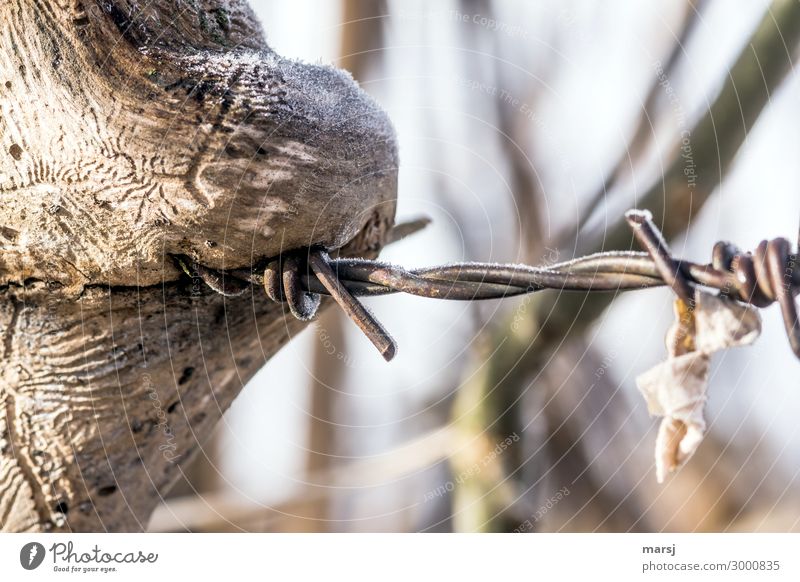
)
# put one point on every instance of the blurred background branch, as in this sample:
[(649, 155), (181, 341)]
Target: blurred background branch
[(519, 359)]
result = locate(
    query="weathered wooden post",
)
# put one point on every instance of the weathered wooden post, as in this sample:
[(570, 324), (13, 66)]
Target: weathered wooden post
[(130, 134)]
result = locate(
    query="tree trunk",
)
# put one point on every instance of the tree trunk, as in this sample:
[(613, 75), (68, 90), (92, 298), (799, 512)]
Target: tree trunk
[(128, 135)]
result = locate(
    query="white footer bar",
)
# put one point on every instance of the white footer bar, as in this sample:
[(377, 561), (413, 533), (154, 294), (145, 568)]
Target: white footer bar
[(406, 557)]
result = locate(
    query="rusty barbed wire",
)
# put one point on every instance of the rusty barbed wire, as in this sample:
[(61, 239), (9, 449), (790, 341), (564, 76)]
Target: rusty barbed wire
[(300, 278)]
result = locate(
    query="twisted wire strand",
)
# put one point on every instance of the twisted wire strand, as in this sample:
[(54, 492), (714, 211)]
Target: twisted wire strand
[(300, 278)]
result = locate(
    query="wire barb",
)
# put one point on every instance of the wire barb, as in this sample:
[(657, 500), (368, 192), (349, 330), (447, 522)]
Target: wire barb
[(301, 277), (648, 235), (380, 338)]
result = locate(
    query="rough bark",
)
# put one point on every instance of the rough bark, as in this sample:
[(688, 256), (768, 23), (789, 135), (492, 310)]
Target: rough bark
[(130, 133)]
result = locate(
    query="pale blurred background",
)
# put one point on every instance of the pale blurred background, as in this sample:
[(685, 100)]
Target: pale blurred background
[(518, 120)]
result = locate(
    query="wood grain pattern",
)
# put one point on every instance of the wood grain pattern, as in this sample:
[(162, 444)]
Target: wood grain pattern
[(130, 132)]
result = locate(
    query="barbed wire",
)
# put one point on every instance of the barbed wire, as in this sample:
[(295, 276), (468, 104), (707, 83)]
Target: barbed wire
[(300, 278)]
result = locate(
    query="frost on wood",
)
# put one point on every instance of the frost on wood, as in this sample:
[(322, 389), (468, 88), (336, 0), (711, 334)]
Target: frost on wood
[(126, 139), (130, 132)]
